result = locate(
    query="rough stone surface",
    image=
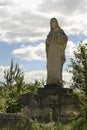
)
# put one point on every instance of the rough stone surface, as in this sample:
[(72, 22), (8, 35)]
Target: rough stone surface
[(61, 101), (14, 121), (55, 50)]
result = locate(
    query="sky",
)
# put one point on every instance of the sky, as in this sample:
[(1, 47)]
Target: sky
[(24, 25)]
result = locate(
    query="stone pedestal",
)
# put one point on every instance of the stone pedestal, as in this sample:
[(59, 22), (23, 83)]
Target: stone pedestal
[(54, 89), (62, 103)]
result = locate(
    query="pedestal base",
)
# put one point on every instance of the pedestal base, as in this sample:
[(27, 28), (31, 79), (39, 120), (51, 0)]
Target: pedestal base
[(54, 89), (60, 101)]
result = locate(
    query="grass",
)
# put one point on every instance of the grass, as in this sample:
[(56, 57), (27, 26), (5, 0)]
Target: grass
[(39, 126)]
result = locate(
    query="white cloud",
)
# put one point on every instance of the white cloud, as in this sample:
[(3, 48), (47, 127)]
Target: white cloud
[(40, 74), (2, 69), (66, 7), (67, 78), (20, 22), (84, 41), (31, 52), (29, 20), (71, 47), (35, 75)]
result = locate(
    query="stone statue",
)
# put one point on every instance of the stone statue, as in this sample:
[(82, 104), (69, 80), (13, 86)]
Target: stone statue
[(55, 52)]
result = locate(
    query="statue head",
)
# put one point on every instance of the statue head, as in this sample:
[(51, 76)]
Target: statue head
[(53, 23)]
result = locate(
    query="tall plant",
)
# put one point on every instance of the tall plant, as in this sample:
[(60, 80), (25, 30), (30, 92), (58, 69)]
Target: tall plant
[(79, 77)]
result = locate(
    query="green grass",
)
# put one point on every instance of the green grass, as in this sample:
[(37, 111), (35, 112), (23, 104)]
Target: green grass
[(50, 126), (39, 126), (74, 125)]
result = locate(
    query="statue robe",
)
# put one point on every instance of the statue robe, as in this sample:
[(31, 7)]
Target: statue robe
[(55, 50)]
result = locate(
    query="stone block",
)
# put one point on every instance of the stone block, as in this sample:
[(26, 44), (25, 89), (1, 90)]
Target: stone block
[(60, 100)]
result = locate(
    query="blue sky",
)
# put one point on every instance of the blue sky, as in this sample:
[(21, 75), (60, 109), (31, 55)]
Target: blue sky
[(24, 25)]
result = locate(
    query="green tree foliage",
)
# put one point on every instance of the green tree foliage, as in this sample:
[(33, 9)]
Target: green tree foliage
[(13, 76), (33, 87), (13, 87), (14, 81), (79, 68), (79, 80), (2, 99)]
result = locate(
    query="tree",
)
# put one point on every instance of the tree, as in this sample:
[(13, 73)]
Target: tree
[(14, 86), (79, 78), (14, 81), (79, 68), (33, 87), (13, 76)]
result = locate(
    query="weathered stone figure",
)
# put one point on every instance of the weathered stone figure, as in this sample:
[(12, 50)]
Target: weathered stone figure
[(55, 51)]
